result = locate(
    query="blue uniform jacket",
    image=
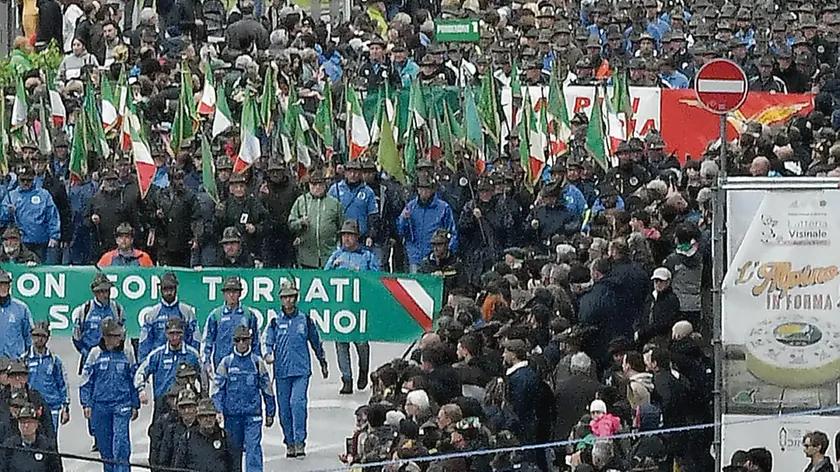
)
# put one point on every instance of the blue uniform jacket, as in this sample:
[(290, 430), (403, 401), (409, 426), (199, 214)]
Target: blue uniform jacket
[(48, 376), (218, 332), (363, 259), (358, 202), (153, 330), (163, 363), (15, 324), (421, 225), (286, 338), (35, 214), (108, 378), (239, 382), (87, 328)]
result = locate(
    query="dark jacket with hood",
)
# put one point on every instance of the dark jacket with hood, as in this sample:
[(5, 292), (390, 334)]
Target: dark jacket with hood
[(663, 312), (601, 308), (686, 268)]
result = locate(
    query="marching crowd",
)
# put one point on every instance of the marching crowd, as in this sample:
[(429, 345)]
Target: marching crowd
[(577, 307)]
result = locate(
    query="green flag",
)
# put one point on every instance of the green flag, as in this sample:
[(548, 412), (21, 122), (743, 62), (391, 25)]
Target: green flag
[(268, 100), (94, 134), (389, 157), (324, 122), (183, 126), (449, 136), (560, 129), (474, 137), (488, 107), (4, 140), (595, 137), (621, 101), (44, 140), (78, 164), (208, 170), (410, 151)]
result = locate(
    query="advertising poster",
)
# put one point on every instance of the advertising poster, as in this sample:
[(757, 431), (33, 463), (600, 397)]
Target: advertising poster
[(781, 329), (782, 436)]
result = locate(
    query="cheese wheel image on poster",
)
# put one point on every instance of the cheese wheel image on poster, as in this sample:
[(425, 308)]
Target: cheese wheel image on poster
[(794, 351)]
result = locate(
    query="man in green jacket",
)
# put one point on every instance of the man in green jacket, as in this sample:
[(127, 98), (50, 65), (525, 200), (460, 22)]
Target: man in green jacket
[(315, 220)]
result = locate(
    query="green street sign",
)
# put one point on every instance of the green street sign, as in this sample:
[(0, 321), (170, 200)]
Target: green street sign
[(345, 305), (457, 31)]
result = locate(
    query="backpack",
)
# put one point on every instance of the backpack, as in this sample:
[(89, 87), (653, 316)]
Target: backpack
[(115, 307)]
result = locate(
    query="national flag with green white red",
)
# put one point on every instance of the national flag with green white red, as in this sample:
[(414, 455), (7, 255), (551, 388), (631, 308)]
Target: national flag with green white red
[(57, 109), (359, 133), (110, 117), (596, 138), (532, 142), (249, 142), (222, 119), (207, 104), (20, 109), (560, 128), (143, 162)]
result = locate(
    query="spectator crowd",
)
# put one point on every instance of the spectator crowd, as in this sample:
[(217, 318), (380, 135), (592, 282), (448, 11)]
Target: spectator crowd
[(577, 303)]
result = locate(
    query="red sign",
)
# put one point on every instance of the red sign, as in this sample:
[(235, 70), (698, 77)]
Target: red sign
[(721, 86)]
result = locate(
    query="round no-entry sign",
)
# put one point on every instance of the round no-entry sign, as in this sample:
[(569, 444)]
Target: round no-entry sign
[(721, 86)]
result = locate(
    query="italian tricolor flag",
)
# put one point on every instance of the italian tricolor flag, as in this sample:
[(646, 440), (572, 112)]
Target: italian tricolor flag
[(359, 133), (221, 117), (207, 105), (143, 162), (532, 141), (110, 116), (249, 143)]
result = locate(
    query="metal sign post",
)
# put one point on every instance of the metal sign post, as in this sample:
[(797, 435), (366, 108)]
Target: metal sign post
[(719, 270)]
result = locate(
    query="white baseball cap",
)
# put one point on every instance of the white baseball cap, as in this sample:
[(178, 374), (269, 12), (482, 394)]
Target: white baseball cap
[(661, 273)]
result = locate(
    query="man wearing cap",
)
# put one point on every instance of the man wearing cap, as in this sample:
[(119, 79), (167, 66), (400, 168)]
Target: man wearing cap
[(15, 321), (463, 69), (207, 447), (443, 263), (377, 69), (176, 228), (87, 317), (14, 252), (243, 212), (154, 319), (163, 362), (33, 210), (419, 220), (287, 340), (352, 256), (669, 74), (22, 451), (108, 395), (18, 377), (48, 376), (766, 80), (483, 226), (628, 176), (221, 323), (358, 200), (663, 311), (233, 254), (404, 66), (174, 430), (315, 220), (241, 385), (44, 179), (125, 254), (105, 211), (60, 157), (550, 216), (277, 196)]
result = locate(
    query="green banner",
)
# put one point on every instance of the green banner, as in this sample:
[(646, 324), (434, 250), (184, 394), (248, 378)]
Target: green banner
[(345, 305), (373, 100), (457, 31)]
